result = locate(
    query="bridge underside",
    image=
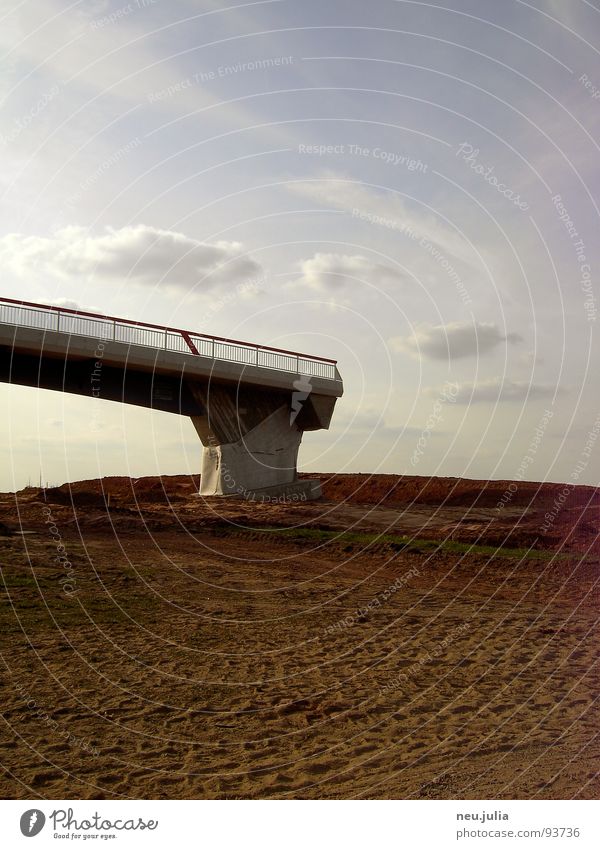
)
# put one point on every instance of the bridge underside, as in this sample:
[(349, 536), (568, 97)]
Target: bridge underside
[(251, 433)]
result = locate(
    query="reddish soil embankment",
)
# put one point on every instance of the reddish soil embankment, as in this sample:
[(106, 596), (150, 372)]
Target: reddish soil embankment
[(542, 515)]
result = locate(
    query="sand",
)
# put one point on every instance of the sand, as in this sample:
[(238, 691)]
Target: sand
[(398, 639)]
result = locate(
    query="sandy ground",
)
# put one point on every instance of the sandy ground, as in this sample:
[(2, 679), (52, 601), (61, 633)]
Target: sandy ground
[(386, 642)]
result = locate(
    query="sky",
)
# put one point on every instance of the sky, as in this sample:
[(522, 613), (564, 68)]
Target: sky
[(409, 188)]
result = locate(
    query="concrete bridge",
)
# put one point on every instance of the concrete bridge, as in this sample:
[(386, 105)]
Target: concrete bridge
[(250, 404)]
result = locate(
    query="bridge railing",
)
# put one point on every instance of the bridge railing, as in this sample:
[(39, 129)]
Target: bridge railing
[(106, 328)]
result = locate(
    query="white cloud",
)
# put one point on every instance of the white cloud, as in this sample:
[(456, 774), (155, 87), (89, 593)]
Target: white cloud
[(340, 192), (371, 422), (452, 341), (69, 304), (500, 389), (142, 254), (329, 272)]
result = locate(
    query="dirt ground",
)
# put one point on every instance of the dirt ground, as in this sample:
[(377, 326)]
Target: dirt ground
[(400, 638)]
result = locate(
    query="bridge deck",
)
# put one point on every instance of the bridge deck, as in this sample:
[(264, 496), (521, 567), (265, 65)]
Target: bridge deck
[(75, 333)]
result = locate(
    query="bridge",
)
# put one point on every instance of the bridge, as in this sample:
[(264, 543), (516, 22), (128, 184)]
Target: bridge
[(250, 404)]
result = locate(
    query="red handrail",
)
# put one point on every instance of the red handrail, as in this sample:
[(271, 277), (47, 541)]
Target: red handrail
[(164, 328)]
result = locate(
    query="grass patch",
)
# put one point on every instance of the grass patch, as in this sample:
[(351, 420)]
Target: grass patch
[(401, 542), (36, 599)]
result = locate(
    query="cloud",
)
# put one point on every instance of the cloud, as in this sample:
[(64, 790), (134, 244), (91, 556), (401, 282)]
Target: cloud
[(452, 341), (142, 254), (500, 389), (69, 304), (340, 192), (371, 423), (329, 272)]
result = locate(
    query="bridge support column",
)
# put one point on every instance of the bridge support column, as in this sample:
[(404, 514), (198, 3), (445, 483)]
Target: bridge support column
[(251, 442)]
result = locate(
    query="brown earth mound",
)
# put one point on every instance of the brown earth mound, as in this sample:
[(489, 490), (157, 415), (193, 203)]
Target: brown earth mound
[(403, 489), (496, 513), (353, 488)]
